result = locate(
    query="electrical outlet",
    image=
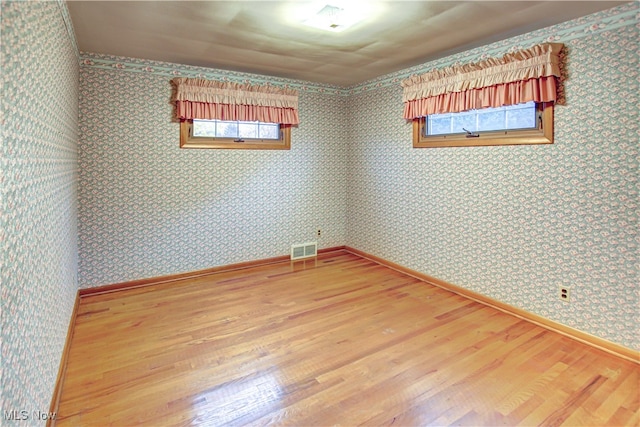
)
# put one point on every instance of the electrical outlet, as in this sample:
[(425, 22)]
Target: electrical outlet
[(319, 232), (564, 293)]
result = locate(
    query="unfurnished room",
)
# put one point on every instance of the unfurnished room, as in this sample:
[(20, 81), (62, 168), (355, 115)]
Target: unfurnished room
[(320, 213)]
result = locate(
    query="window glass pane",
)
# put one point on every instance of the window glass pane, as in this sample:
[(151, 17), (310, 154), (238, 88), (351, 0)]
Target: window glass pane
[(521, 116), (227, 129), (439, 124), (466, 120), (204, 128), (248, 129), (269, 131), (491, 119), (235, 129)]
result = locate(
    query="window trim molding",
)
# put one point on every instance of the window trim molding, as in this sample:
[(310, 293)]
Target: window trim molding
[(187, 141), (542, 135)]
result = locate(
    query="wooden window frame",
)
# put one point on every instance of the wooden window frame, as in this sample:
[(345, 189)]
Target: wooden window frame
[(188, 141), (542, 135)]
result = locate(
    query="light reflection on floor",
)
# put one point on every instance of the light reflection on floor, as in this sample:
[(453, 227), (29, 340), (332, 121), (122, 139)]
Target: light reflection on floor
[(231, 401)]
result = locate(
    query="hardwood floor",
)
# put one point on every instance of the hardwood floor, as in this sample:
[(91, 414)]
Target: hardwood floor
[(339, 340)]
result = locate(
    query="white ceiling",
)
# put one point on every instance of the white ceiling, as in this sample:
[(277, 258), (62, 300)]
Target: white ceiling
[(266, 37)]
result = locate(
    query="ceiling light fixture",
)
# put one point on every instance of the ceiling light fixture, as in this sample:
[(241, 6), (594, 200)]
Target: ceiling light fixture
[(333, 18)]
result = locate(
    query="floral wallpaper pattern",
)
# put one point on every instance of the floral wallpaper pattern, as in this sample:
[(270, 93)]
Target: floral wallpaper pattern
[(38, 173), (512, 223), (515, 222), (148, 208), (509, 222)]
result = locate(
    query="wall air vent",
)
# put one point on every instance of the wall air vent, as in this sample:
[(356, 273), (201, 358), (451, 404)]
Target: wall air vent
[(304, 250)]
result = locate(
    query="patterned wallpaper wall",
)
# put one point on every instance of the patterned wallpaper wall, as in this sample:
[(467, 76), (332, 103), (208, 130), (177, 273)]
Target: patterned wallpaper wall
[(148, 208), (38, 217), (514, 222)]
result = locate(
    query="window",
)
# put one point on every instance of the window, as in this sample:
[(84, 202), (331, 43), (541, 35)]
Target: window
[(496, 101), (234, 135), (256, 117), (528, 123)]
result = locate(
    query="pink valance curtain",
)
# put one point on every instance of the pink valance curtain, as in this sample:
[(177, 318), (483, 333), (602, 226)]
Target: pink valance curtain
[(523, 76), (210, 99)]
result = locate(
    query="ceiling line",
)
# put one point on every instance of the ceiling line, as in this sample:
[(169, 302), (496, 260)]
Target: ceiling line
[(597, 23)]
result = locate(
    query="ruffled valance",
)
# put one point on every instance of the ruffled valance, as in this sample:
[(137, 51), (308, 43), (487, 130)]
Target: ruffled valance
[(211, 99), (526, 75)]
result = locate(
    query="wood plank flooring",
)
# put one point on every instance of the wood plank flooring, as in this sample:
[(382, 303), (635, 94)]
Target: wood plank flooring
[(339, 340)]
